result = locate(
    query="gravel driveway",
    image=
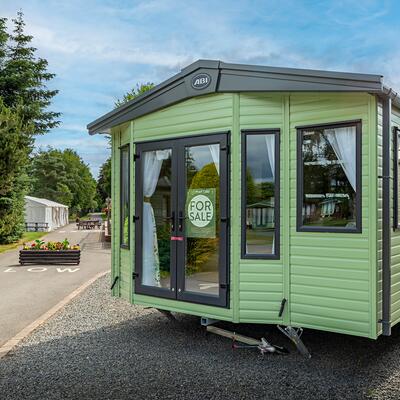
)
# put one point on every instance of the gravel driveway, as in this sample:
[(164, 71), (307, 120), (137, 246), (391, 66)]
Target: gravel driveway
[(98, 347)]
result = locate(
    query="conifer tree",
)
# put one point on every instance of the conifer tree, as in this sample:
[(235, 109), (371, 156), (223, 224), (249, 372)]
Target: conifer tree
[(3, 41), (14, 154), (24, 102), (23, 80)]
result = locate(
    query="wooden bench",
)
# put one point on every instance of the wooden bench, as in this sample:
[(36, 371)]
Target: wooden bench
[(36, 226)]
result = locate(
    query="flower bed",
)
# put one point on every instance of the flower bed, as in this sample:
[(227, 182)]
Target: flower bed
[(40, 252)]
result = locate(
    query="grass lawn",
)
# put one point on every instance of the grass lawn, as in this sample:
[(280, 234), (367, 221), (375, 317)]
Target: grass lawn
[(27, 237)]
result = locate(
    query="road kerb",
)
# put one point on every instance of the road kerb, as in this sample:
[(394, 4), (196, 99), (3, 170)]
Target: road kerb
[(11, 343)]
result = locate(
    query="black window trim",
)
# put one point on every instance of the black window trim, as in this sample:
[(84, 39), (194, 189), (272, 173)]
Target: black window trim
[(276, 254), (121, 228), (396, 142), (300, 185)]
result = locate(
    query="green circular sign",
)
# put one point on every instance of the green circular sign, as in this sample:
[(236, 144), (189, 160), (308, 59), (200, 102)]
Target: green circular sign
[(200, 210)]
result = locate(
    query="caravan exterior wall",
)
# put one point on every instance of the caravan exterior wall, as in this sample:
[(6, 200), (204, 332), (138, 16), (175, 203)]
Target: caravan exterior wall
[(292, 183), (329, 279)]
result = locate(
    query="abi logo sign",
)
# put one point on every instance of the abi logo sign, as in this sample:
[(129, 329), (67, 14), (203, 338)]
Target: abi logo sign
[(200, 211), (201, 81)]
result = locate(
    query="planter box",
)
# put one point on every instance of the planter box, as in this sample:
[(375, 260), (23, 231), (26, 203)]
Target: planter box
[(49, 257)]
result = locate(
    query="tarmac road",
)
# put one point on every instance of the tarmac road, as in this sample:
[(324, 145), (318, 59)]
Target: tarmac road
[(27, 292)]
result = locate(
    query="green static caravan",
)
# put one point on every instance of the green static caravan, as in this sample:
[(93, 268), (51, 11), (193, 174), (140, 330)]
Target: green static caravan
[(259, 195)]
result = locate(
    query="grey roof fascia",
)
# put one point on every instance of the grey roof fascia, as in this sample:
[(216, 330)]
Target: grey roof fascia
[(200, 64), (127, 110), (122, 109), (302, 72), (261, 81), (228, 77)]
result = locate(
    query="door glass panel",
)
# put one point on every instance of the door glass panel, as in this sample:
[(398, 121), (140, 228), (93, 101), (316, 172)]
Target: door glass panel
[(202, 219), (156, 251)]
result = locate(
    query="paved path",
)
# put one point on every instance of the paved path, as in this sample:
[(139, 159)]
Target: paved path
[(29, 291)]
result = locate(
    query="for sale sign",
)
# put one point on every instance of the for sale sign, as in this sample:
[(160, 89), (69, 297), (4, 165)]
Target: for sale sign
[(200, 212)]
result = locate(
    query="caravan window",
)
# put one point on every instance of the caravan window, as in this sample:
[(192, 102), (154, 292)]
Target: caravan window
[(260, 194), (124, 192), (329, 168)]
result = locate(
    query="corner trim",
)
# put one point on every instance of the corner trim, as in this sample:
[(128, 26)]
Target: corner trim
[(386, 225)]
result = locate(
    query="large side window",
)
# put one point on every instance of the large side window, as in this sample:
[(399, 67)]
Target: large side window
[(396, 173), (329, 178), (124, 193), (260, 194)]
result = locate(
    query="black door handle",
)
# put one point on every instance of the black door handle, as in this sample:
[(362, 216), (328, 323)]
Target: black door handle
[(181, 218), (172, 219)]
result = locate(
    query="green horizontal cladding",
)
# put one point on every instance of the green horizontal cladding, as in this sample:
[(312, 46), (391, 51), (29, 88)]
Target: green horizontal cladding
[(395, 249), (261, 282), (329, 279), (120, 257), (332, 275), (395, 234)]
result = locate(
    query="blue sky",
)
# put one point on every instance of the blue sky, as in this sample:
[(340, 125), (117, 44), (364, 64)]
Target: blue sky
[(100, 49)]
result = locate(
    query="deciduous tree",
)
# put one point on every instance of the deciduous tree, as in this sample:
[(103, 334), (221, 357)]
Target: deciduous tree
[(62, 176), (134, 92), (104, 181)]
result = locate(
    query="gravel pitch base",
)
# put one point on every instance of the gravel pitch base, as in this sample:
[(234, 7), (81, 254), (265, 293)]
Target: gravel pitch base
[(100, 347)]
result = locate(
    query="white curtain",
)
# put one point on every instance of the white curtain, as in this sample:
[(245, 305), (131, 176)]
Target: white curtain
[(270, 142), (151, 170), (214, 150), (343, 142)]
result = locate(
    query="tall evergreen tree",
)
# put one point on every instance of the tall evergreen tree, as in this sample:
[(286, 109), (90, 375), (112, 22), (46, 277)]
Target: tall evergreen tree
[(3, 41), (23, 79), (24, 102), (14, 153)]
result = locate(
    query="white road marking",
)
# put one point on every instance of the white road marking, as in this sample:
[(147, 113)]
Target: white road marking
[(42, 269), (37, 269), (62, 231), (67, 269)]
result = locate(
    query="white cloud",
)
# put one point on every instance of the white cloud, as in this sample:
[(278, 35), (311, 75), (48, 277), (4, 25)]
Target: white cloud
[(100, 49)]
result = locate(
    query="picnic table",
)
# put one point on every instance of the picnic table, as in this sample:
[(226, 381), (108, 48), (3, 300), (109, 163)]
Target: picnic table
[(89, 224)]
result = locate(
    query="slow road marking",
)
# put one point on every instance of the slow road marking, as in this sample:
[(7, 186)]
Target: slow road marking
[(42, 269)]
